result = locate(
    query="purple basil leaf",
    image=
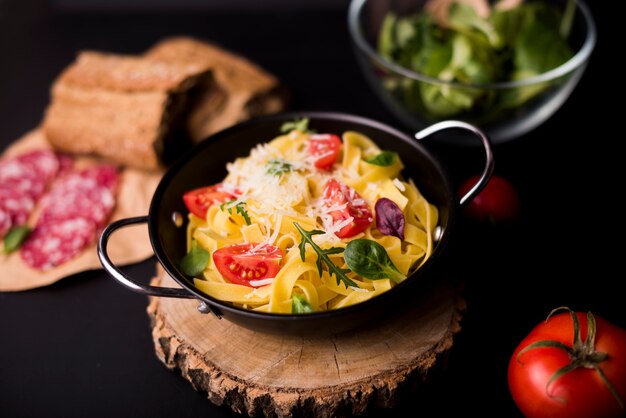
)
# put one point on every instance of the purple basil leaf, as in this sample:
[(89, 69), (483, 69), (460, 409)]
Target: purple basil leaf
[(389, 218)]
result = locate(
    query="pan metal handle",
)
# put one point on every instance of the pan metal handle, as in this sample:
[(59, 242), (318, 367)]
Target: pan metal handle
[(489, 162), (122, 278)]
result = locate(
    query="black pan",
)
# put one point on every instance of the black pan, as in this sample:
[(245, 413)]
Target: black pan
[(206, 164)]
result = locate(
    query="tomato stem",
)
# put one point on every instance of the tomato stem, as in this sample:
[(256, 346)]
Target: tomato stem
[(608, 383), (582, 354)]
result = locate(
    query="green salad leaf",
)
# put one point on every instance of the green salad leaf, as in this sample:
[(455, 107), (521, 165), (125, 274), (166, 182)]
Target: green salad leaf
[(539, 46), (463, 18), (509, 45)]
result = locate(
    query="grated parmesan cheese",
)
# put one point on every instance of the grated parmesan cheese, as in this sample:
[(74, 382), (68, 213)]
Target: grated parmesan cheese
[(262, 282), (399, 185)]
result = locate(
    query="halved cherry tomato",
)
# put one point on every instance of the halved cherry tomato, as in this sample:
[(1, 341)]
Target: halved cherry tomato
[(198, 201), (349, 204), (325, 147), (242, 263)]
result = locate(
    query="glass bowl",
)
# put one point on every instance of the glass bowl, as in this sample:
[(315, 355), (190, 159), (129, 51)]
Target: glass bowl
[(505, 110)]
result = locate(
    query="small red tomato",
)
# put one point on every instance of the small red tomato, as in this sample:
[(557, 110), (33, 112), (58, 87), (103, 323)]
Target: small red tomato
[(559, 372), (243, 263), (198, 201), (343, 202), (497, 202), (325, 148)]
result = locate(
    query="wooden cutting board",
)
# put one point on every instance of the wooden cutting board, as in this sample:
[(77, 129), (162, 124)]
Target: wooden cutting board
[(269, 375)]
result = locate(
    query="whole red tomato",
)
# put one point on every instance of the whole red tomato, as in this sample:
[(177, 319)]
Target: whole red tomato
[(572, 365), (498, 202)]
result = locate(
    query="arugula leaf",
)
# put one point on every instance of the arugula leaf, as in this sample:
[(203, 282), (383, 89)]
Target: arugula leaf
[(384, 159), (239, 208), (300, 305), (369, 259), (195, 261), (278, 167), (301, 125), (322, 256), (15, 237)]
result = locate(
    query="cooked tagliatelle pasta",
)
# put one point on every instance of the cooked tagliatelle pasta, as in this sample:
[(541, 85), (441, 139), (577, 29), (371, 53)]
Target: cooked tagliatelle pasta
[(308, 223)]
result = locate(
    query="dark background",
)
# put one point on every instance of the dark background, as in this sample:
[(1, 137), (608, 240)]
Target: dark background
[(82, 347)]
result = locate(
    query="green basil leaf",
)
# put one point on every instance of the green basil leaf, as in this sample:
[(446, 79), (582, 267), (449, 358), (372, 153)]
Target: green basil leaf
[(369, 259), (384, 159), (195, 261), (15, 237), (300, 305)]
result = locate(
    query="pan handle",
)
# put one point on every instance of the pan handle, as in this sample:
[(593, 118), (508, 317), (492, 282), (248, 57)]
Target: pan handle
[(489, 162), (122, 278)]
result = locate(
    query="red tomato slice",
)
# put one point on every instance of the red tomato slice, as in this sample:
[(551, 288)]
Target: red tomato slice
[(198, 201), (242, 263), (349, 204), (325, 148)]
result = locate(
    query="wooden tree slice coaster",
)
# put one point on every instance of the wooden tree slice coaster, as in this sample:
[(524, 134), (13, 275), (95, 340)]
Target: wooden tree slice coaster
[(269, 375)]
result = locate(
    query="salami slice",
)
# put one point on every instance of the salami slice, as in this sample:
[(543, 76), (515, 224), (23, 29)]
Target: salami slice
[(44, 164), (5, 222), (23, 180), (89, 194), (76, 207), (31, 172), (26, 185), (17, 205), (54, 243), (105, 175)]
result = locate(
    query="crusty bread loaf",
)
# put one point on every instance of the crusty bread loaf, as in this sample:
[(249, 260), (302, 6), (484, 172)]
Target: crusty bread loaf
[(120, 107), (135, 109), (247, 89)]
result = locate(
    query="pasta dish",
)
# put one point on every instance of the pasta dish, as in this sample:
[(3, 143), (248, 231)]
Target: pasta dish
[(307, 222)]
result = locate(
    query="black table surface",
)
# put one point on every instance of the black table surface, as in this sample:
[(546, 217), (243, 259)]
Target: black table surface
[(82, 347)]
